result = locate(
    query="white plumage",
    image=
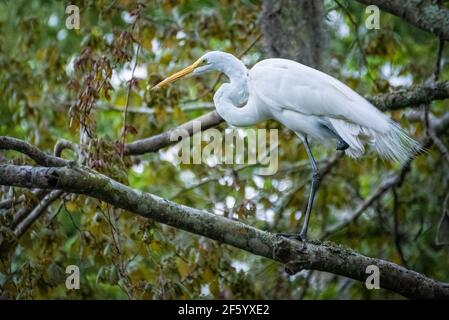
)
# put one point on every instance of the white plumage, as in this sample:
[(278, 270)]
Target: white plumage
[(309, 102)]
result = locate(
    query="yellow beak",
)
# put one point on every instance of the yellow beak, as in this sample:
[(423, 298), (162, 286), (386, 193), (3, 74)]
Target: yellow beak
[(177, 75)]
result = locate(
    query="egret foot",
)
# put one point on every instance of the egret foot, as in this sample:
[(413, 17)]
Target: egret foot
[(295, 236)]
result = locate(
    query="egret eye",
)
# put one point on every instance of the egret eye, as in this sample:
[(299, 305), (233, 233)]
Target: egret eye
[(204, 61)]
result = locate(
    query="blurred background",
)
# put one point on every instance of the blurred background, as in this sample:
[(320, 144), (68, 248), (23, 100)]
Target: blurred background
[(55, 81)]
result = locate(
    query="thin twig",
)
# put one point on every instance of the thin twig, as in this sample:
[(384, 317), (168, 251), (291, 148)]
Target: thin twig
[(429, 131), (36, 213), (26, 216), (130, 85), (396, 231), (128, 95), (387, 184), (41, 158), (357, 37), (437, 73), (444, 216)]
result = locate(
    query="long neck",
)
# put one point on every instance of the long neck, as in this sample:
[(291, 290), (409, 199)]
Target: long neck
[(232, 100)]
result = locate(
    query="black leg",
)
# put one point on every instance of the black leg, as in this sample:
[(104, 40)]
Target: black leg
[(313, 188)]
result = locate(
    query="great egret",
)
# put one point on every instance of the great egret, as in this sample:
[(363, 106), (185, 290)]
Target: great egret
[(307, 101)]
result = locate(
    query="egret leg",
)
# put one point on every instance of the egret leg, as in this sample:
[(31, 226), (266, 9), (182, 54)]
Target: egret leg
[(313, 188)]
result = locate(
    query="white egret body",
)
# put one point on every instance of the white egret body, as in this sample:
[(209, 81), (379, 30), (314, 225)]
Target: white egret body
[(307, 101)]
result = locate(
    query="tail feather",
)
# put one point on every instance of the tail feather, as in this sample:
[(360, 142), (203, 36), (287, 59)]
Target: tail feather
[(394, 144)]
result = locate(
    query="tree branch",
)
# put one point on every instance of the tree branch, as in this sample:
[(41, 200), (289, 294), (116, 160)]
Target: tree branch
[(62, 144), (424, 14), (413, 96), (41, 158), (438, 126), (314, 256), (386, 185), (157, 142), (24, 217), (27, 221)]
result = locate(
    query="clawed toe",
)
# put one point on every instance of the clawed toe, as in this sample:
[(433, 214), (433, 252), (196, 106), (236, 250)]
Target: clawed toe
[(295, 236)]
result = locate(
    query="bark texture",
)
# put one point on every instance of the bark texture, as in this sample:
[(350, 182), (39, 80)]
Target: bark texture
[(321, 256), (294, 29), (424, 14)]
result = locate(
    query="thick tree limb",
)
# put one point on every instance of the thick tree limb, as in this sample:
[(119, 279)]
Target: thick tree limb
[(315, 256), (424, 14), (411, 97)]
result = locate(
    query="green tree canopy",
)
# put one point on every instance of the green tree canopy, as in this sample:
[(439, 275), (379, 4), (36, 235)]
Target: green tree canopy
[(65, 87)]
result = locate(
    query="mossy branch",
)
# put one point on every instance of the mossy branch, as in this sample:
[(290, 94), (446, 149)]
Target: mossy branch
[(296, 256)]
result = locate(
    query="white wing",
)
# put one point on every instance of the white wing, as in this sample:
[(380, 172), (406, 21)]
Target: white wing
[(285, 84)]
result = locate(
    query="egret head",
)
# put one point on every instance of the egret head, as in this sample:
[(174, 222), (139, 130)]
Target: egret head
[(214, 60)]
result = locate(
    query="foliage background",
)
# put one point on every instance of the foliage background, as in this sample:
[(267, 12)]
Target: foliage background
[(44, 70)]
